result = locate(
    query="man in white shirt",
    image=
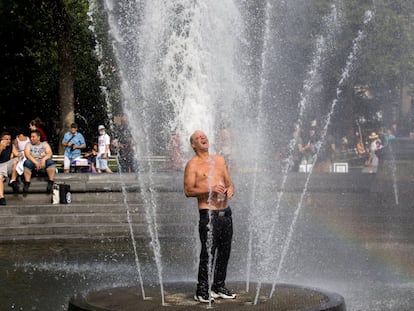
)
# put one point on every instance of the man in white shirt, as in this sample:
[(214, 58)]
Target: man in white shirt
[(104, 152)]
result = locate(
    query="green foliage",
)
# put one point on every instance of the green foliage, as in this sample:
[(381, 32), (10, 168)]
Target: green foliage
[(29, 86), (30, 33), (387, 63), (383, 66)]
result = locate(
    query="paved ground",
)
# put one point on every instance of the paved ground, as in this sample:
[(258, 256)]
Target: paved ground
[(344, 233)]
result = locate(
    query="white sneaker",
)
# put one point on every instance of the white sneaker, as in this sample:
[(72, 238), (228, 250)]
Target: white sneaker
[(223, 292), (204, 297)]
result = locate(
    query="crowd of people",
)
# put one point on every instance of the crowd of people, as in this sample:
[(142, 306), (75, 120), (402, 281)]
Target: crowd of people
[(319, 149), (316, 148), (98, 156), (376, 142), (22, 156)]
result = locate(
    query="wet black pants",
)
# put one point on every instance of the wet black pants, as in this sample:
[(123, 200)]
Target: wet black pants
[(219, 242)]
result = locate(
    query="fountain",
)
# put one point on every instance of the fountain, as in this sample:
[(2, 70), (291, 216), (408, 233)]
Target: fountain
[(181, 69), (299, 238)]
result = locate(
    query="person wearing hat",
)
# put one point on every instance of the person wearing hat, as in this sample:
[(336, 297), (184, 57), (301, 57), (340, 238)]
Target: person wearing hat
[(74, 142), (104, 152), (375, 144)]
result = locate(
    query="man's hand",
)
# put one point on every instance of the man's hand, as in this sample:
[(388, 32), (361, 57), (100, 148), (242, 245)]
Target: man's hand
[(230, 192), (38, 165), (3, 144), (219, 188)]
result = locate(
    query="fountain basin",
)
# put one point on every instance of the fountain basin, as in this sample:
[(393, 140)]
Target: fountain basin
[(179, 296)]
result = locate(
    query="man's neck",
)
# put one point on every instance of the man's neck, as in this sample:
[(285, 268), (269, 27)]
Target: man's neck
[(203, 154)]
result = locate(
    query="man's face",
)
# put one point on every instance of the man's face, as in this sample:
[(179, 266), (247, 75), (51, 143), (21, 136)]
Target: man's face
[(199, 141), (34, 138), (6, 139), (73, 130)]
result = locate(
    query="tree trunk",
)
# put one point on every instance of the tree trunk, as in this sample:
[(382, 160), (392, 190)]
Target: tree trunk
[(66, 92), (66, 81)]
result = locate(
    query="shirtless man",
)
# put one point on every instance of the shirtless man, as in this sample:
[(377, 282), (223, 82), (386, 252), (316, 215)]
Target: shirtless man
[(207, 178)]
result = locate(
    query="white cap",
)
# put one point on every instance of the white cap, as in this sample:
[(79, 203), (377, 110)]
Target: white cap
[(101, 127)]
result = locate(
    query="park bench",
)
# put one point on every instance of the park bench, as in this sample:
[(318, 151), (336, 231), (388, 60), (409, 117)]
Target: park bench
[(157, 162), (81, 167)]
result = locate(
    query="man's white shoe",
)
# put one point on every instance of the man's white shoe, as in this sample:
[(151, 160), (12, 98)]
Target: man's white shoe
[(223, 292), (204, 298)]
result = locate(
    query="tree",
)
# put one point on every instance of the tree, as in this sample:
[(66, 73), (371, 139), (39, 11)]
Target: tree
[(47, 57)]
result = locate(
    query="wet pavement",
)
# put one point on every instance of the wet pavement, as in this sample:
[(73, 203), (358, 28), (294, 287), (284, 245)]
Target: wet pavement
[(346, 240)]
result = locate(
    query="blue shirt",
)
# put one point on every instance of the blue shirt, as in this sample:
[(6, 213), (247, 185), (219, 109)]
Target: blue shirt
[(77, 140)]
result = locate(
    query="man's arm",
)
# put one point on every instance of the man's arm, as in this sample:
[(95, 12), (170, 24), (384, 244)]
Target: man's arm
[(65, 140), (227, 181), (3, 145), (27, 153), (49, 152), (190, 181), (48, 155), (15, 152), (80, 143)]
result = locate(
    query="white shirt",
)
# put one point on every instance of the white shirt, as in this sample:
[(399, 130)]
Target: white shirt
[(103, 141)]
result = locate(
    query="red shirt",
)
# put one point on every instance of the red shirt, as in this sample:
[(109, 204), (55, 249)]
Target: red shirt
[(43, 136)]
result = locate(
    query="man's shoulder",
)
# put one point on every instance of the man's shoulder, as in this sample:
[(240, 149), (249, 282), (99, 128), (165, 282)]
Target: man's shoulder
[(192, 161), (79, 134), (192, 164), (218, 158)]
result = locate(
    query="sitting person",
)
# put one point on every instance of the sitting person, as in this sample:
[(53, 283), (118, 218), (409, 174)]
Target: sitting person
[(20, 142), (8, 162), (91, 156), (73, 141), (37, 125), (39, 158)]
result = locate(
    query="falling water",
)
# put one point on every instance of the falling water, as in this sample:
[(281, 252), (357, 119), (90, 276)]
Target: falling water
[(250, 242), (211, 258), (323, 42), (176, 65), (149, 198), (262, 87), (98, 51), (356, 45), (394, 175)]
